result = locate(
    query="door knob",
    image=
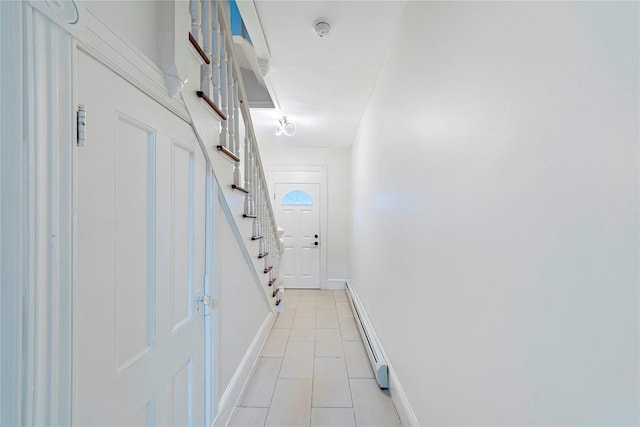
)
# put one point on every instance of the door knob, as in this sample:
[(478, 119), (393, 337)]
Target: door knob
[(316, 243), (316, 236), (205, 299)]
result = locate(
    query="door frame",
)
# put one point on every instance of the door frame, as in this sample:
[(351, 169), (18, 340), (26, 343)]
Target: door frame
[(37, 202), (307, 174)]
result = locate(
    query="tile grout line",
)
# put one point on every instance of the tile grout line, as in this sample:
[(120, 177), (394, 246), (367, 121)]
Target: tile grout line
[(313, 365), (353, 405), (315, 301), (273, 393)]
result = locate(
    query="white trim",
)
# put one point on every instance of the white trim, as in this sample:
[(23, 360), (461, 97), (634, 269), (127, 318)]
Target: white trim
[(50, 138), (400, 400), (335, 284), (13, 198), (313, 171), (252, 22), (214, 282), (210, 357), (240, 379), (37, 148), (120, 56), (101, 42), (399, 397)]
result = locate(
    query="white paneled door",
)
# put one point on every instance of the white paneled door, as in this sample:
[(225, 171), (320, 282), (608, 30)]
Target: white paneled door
[(298, 212), (138, 327)]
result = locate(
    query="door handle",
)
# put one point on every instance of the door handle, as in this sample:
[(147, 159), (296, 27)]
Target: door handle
[(205, 299), (315, 243), (207, 303)]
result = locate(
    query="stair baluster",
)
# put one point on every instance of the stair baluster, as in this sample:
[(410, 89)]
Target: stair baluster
[(215, 53), (205, 73), (230, 117), (221, 86), (237, 179), (223, 89), (247, 167), (196, 9)]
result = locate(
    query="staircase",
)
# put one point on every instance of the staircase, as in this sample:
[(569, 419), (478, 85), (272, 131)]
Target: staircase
[(215, 98)]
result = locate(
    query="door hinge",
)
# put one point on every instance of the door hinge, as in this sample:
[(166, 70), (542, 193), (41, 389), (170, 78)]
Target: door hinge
[(82, 125)]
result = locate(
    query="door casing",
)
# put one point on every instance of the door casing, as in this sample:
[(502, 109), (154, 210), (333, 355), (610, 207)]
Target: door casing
[(312, 174)]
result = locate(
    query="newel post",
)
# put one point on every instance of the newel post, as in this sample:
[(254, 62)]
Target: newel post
[(174, 19)]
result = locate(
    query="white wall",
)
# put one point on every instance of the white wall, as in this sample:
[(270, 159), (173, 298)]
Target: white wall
[(338, 164), (242, 309), (495, 187), (135, 21)]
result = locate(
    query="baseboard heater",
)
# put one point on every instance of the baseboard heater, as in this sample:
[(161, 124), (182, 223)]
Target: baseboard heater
[(378, 363)]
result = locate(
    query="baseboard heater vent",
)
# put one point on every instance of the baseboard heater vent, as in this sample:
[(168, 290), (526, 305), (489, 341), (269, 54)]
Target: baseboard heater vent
[(369, 340)]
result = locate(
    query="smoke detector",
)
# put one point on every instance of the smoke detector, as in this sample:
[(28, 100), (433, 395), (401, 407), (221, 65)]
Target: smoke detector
[(322, 28)]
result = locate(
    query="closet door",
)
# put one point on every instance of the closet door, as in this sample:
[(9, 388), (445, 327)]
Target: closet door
[(138, 325)]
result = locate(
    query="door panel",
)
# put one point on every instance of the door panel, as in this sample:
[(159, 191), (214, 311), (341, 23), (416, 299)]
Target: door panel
[(298, 212), (134, 147), (182, 234), (138, 330)]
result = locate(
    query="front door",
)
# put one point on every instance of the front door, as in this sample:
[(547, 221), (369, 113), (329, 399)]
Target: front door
[(298, 212), (138, 327)]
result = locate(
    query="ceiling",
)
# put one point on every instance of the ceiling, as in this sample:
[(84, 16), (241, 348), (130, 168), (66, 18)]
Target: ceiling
[(322, 84)]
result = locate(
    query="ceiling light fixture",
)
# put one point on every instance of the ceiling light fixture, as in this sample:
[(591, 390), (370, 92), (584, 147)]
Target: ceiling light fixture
[(285, 127)]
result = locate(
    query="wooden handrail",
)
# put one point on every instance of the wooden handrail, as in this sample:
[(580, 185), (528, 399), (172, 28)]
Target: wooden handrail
[(196, 45), (278, 302), (272, 281), (268, 269), (228, 153), (237, 187), (275, 292), (263, 255), (209, 102)]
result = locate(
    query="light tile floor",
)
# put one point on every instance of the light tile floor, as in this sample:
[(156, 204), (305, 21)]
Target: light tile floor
[(314, 370)]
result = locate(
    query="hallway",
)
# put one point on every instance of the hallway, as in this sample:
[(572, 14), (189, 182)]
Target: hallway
[(314, 370)]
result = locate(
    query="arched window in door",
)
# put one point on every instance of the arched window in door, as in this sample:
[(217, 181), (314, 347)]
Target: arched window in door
[(297, 198)]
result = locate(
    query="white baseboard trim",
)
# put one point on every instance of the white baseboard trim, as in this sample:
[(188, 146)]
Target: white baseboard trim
[(334, 284), (405, 411), (400, 400), (247, 365)]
